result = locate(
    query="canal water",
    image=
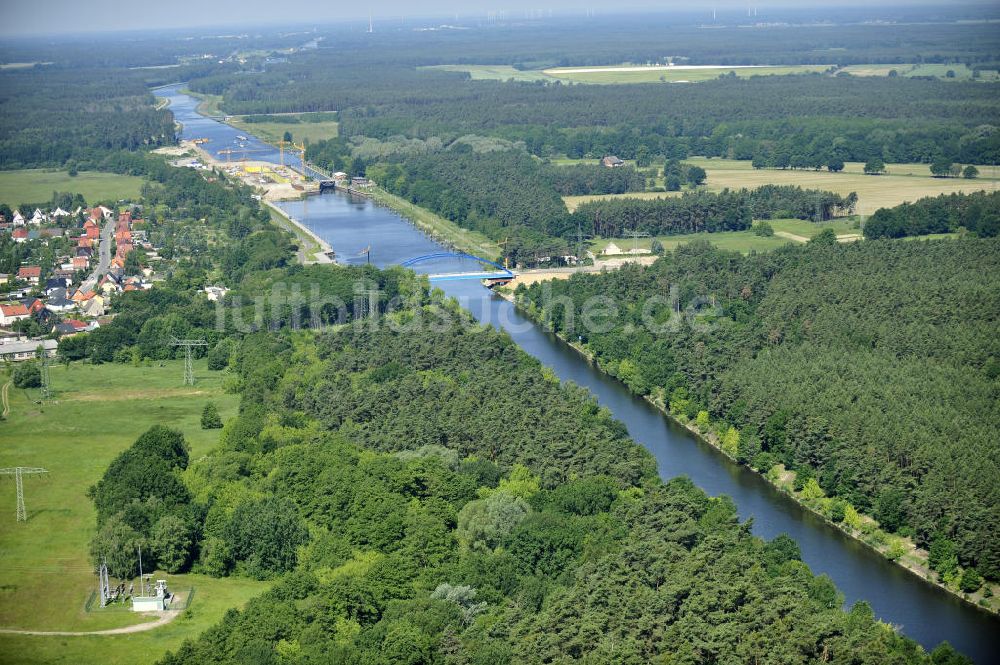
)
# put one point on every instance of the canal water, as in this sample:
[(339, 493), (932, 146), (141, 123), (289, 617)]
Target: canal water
[(923, 612)]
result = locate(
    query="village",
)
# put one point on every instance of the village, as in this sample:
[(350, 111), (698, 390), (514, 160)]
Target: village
[(76, 263)]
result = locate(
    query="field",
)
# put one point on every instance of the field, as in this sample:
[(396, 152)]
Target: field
[(961, 70), (794, 230), (37, 185), (45, 573), (678, 74), (497, 72), (622, 73), (902, 182), (272, 132)]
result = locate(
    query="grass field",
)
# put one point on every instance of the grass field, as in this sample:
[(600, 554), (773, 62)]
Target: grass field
[(962, 71), (45, 573), (609, 75), (672, 75), (738, 241), (272, 132), (37, 185), (497, 72), (902, 182)]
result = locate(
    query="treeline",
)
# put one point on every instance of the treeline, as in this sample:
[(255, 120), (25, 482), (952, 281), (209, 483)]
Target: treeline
[(794, 358), (419, 509), (701, 212), (978, 213), (514, 198), (58, 117), (815, 119)]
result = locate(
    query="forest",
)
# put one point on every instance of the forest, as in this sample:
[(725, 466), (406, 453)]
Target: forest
[(412, 511), (978, 213), (870, 368), (53, 117)]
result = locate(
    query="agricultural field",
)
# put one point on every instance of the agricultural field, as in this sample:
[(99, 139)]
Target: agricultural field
[(676, 74), (495, 72), (786, 231), (298, 124), (37, 185), (97, 411), (962, 71), (624, 73), (901, 182)]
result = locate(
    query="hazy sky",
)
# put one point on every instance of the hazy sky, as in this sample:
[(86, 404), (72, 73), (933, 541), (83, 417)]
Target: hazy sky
[(67, 16)]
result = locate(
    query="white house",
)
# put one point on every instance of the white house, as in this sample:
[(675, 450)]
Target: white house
[(18, 219), (12, 312), (38, 217)]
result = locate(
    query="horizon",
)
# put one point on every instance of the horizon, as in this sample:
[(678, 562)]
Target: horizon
[(30, 20)]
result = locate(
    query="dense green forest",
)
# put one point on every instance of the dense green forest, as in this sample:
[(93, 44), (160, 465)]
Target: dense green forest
[(978, 213), (57, 117), (872, 367), (416, 509)]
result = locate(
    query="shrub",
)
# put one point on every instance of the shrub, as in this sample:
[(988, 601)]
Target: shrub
[(210, 418), (27, 375)]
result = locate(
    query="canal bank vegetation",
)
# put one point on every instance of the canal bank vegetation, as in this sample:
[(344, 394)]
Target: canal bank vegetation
[(436, 494), (819, 366)]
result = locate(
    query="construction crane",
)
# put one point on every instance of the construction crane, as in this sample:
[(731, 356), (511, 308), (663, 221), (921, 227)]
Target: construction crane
[(301, 147), (229, 152)]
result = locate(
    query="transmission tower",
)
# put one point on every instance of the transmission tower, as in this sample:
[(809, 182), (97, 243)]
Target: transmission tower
[(635, 235), (18, 472), (46, 390), (104, 583), (188, 344)]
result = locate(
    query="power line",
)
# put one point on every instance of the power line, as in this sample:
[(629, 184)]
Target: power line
[(188, 344), (18, 472)]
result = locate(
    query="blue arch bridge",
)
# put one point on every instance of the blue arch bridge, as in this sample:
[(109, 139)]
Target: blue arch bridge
[(493, 274)]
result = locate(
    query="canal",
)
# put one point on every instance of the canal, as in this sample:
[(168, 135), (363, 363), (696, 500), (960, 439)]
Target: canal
[(921, 611)]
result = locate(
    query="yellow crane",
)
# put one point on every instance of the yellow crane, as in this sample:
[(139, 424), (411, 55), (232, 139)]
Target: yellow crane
[(503, 246)]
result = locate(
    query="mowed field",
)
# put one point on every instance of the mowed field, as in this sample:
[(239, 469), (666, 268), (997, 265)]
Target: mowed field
[(901, 183), (962, 71), (678, 74), (622, 73), (37, 185), (786, 231), (46, 576), (272, 132)]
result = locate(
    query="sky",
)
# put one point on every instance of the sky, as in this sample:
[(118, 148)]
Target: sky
[(27, 17)]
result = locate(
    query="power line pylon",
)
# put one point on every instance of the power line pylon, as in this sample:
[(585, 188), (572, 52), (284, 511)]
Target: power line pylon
[(188, 344), (46, 389), (18, 472)]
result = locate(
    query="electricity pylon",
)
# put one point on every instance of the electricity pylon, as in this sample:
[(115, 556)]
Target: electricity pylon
[(188, 362), (17, 472), (46, 389)]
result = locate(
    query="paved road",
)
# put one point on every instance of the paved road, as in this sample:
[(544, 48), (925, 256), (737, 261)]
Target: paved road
[(104, 256)]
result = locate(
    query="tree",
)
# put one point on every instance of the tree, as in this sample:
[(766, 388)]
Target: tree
[(656, 247), (210, 418), (484, 523), (835, 164), (673, 183), (941, 168), (696, 176), (170, 543), (263, 535), (874, 166), (950, 74), (971, 580), (763, 229), (118, 543), (730, 441), (27, 375), (970, 172), (287, 137)]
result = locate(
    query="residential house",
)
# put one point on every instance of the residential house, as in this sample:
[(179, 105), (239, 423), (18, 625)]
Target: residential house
[(612, 162), (59, 212), (58, 302), (80, 262), (18, 218), (70, 327), (38, 217), (94, 307), (27, 349), (20, 234), (53, 284), (29, 273), (12, 312), (92, 230), (33, 305)]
